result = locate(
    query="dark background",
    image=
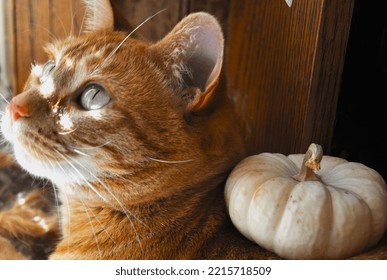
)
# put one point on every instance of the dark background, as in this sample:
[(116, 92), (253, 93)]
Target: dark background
[(360, 132)]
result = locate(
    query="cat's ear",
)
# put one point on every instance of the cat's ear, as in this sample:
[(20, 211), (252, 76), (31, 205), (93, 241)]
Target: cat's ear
[(99, 15), (193, 50)]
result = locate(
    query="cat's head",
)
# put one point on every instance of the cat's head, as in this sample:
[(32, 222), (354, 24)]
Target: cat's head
[(106, 107)]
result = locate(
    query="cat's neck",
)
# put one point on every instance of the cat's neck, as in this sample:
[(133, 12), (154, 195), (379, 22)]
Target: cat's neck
[(136, 231)]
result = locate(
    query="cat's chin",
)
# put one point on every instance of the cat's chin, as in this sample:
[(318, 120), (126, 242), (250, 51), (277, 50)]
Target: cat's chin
[(59, 174)]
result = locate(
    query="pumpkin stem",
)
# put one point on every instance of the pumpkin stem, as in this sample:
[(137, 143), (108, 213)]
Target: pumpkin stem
[(310, 164)]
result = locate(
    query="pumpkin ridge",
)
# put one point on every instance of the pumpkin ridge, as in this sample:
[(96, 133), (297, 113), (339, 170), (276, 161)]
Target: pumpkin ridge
[(377, 232), (371, 234), (325, 231), (291, 189), (288, 186), (332, 216)]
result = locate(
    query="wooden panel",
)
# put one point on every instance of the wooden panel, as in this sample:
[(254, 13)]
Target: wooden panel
[(22, 33), (328, 68), (284, 70), (36, 22), (66, 17), (5, 45), (136, 11)]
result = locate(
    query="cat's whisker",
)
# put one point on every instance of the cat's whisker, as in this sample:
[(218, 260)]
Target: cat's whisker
[(3, 97), (67, 132), (55, 192), (83, 177), (88, 183), (61, 22), (127, 37), (125, 210), (92, 228), (127, 180), (57, 204), (68, 211), (68, 221), (46, 183), (98, 221), (51, 34), (82, 22), (72, 16), (86, 207), (91, 148), (80, 153), (171, 161), (2, 142)]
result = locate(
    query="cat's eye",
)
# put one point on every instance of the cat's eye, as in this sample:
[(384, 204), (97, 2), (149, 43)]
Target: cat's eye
[(94, 97), (47, 68)]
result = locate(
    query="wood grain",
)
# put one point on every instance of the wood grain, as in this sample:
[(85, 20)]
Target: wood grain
[(278, 71), (327, 71), (136, 11), (36, 22)]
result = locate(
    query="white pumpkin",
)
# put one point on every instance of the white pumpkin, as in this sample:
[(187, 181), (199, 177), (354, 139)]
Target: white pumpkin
[(284, 206)]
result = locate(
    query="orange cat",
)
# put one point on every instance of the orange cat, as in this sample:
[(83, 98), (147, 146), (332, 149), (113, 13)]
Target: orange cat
[(138, 137)]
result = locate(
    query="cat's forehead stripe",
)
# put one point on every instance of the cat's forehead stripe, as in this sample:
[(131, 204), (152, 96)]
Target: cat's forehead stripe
[(75, 62), (68, 62)]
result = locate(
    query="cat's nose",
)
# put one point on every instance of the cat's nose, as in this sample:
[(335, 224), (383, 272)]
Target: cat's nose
[(17, 108)]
